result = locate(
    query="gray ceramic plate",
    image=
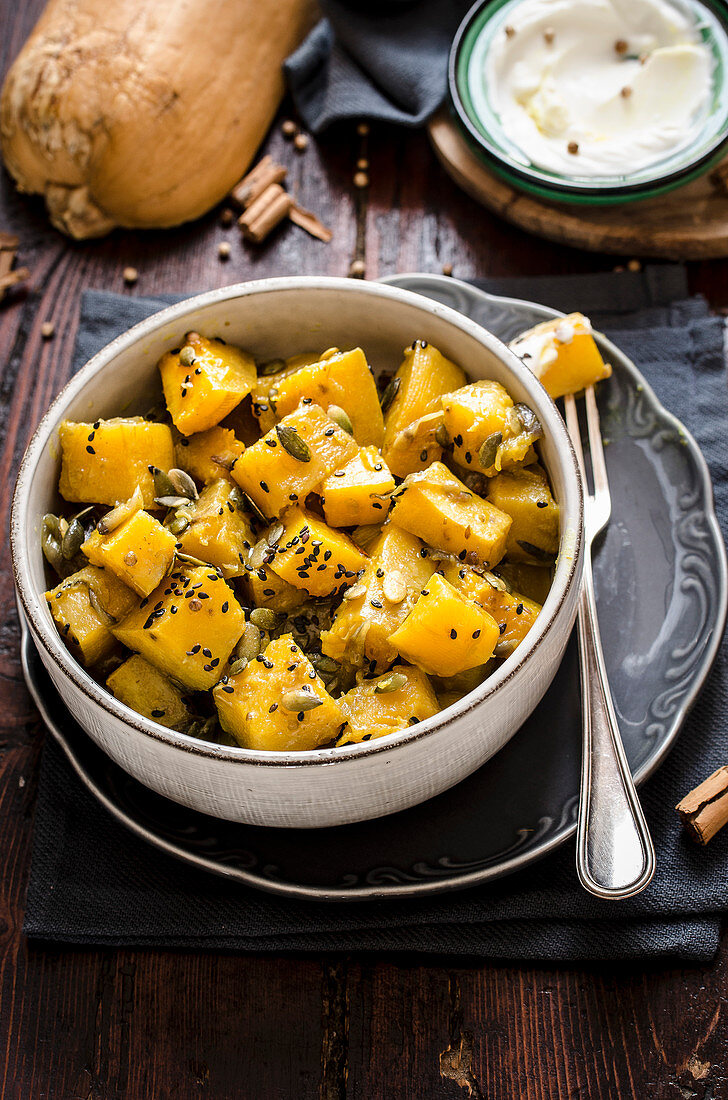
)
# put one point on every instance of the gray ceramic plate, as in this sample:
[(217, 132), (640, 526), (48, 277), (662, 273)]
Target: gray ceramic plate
[(660, 575)]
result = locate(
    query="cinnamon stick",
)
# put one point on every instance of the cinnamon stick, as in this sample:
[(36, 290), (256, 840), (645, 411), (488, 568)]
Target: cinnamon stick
[(705, 810), (265, 213), (257, 181), (308, 221)]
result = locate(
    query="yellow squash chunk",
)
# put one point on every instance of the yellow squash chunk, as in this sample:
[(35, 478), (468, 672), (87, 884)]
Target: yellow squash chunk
[(345, 380), (392, 581), (209, 455), (267, 589), (187, 628), (313, 556), (436, 506), (204, 381), (563, 354), (84, 606), (103, 462), (139, 551), (525, 495), (446, 633), (514, 613), (416, 446), (146, 690), (265, 391), (533, 581), (219, 532), (373, 710), (271, 475), (424, 376), (351, 496), (258, 706), (485, 428)]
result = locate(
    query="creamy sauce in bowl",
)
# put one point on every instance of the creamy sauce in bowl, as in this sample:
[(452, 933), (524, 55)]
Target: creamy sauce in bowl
[(597, 88)]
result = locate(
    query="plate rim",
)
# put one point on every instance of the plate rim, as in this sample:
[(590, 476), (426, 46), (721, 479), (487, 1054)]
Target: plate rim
[(508, 865)]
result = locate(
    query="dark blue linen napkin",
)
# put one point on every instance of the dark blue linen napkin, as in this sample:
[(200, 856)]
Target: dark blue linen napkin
[(92, 882), (385, 59)]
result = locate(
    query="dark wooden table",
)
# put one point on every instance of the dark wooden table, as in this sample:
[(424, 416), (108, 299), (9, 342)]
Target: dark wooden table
[(109, 1024)]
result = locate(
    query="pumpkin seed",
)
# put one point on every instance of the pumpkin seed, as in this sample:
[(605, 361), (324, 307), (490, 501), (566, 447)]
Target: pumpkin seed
[(535, 551), (180, 522), (328, 354), (271, 366), (354, 592), (256, 557), (442, 436), (390, 393), (300, 700), (189, 560), (120, 513), (503, 648), (50, 540), (340, 417), (264, 618), (325, 664), (183, 484), (275, 534), (249, 643), (72, 539), (250, 506), (163, 486), (529, 420), (393, 682), (187, 355), (292, 443), (489, 449), (237, 498), (394, 587), (171, 501), (102, 613), (238, 666), (497, 582)]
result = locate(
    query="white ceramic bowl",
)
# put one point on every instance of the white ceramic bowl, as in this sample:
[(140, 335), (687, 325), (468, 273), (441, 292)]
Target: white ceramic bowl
[(278, 317)]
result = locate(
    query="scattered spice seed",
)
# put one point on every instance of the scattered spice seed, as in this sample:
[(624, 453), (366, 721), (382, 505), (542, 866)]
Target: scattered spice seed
[(130, 275), (357, 269), (573, 147), (453, 633), (447, 269), (626, 92), (288, 128), (362, 129), (549, 35), (224, 250), (362, 164), (47, 330), (227, 218), (300, 142), (361, 179), (634, 265), (621, 46), (510, 31)]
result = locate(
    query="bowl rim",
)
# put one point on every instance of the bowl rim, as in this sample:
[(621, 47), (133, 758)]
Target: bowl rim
[(535, 180), (33, 604)]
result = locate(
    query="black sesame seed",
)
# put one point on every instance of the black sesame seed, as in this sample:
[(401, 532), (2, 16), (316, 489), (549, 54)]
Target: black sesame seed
[(463, 555), (453, 633), (90, 449), (542, 504), (476, 633), (206, 653), (225, 607), (270, 442), (329, 431), (468, 457), (264, 487), (215, 662), (158, 714), (380, 573), (519, 609), (273, 707), (378, 466), (502, 628), (195, 649), (376, 504), (266, 592), (228, 689), (423, 455), (376, 603)]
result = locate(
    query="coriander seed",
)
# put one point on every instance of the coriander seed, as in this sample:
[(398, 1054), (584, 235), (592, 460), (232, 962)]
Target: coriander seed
[(288, 128), (361, 179), (300, 142), (47, 330), (573, 147), (130, 275), (224, 250)]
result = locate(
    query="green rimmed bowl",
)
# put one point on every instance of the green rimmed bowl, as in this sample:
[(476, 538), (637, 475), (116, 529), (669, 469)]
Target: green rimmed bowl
[(485, 133)]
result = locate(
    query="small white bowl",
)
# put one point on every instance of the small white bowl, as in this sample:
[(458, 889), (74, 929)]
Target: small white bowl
[(323, 787)]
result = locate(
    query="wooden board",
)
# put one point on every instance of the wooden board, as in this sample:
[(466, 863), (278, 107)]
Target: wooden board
[(690, 223)]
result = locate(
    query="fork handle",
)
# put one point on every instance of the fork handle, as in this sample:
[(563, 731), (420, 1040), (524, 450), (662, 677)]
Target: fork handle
[(615, 857)]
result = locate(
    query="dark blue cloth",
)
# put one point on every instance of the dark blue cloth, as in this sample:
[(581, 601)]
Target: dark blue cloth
[(386, 59), (92, 882)]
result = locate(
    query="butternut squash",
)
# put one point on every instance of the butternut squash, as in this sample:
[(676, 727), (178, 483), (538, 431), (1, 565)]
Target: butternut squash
[(143, 114), (563, 354)]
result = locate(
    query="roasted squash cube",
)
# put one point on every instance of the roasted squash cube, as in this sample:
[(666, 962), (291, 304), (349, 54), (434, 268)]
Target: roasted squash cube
[(146, 690), (267, 589), (84, 606), (139, 551), (446, 633), (479, 419), (416, 446), (525, 496), (213, 378), (344, 379), (293, 459), (424, 376), (209, 455), (393, 579), (103, 462), (353, 495), (187, 628), (278, 703), (374, 709), (219, 532), (265, 391), (436, 506), (563, 354), (514, 613), (313, 556)]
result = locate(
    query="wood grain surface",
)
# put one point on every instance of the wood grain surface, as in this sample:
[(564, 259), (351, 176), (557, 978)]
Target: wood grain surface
[(155, 1025)]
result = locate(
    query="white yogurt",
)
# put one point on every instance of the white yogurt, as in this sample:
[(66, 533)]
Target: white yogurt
[(599, 87)]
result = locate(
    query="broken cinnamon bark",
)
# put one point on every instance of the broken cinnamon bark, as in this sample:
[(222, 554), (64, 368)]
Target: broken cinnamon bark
[(265, 213), (705, 810), (308, 221), (257, 181), (8, 276)]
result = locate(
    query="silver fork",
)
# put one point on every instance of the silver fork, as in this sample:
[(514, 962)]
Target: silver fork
[(615, 857)]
